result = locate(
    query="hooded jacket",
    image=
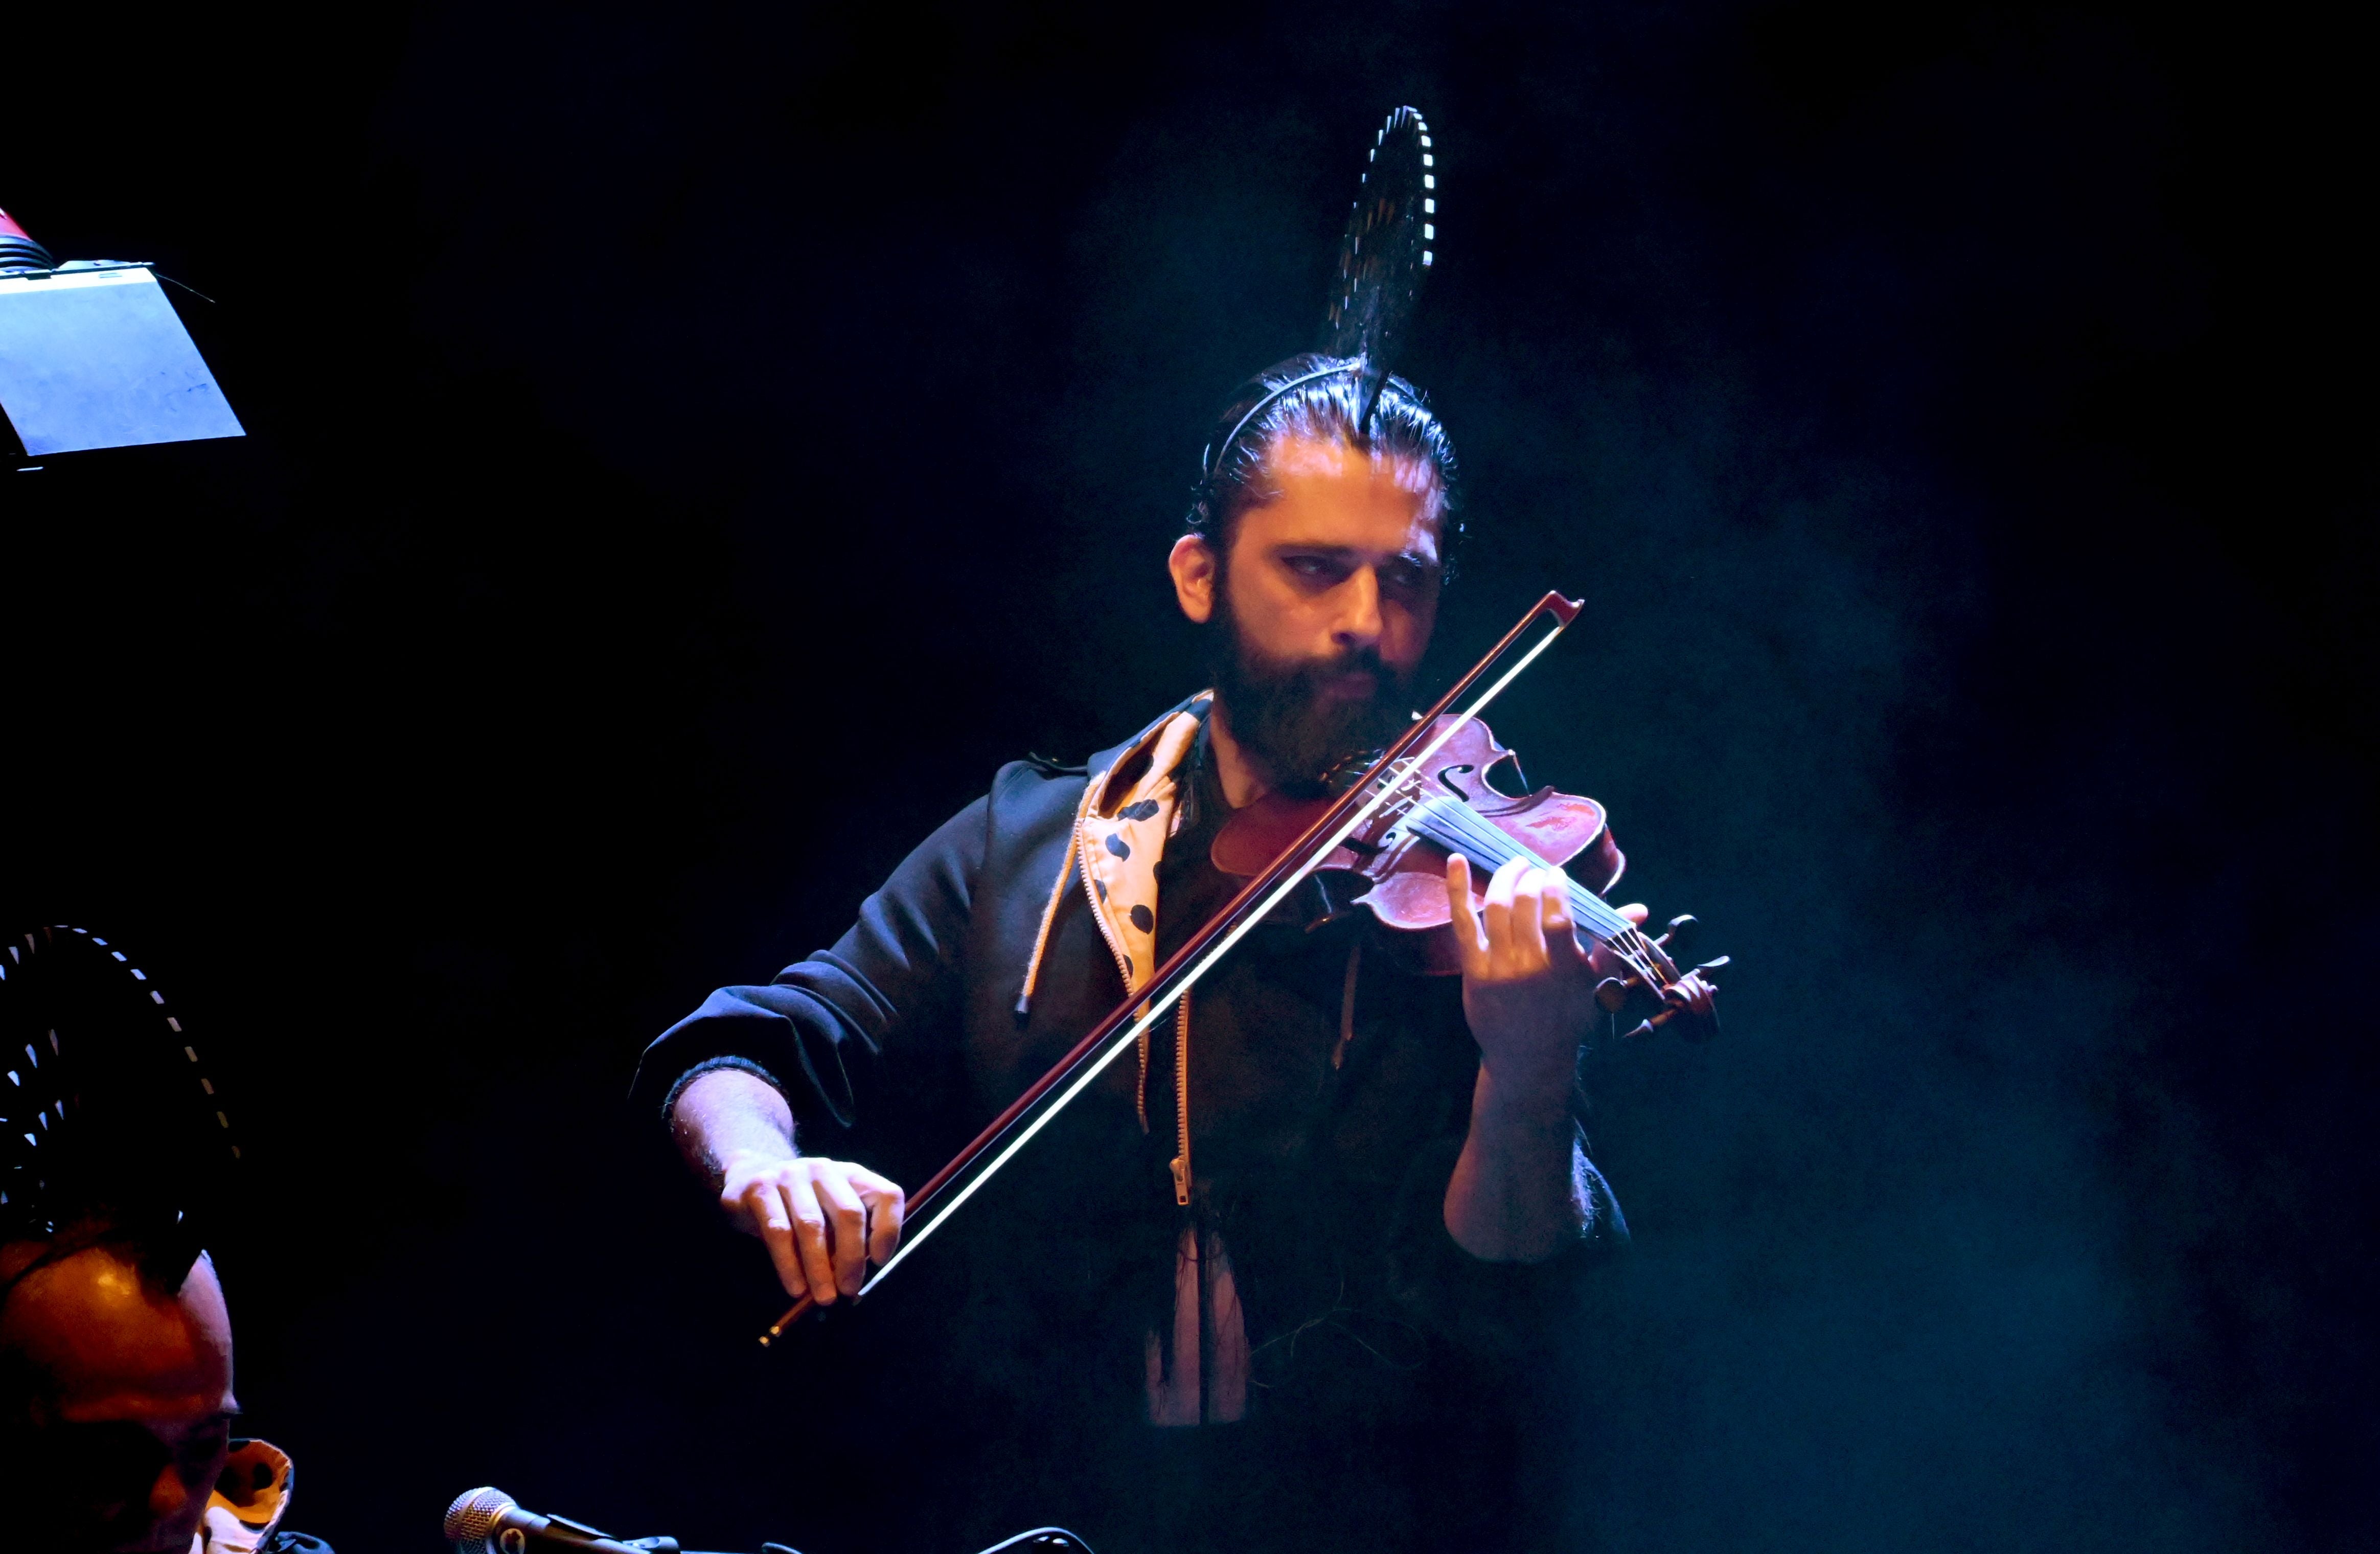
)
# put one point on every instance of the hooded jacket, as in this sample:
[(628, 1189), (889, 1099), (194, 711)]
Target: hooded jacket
[(1327, 1090)]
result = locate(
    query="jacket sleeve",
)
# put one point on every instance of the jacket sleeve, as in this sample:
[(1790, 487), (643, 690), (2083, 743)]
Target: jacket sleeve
[(825, 1031), (1499, 1310)]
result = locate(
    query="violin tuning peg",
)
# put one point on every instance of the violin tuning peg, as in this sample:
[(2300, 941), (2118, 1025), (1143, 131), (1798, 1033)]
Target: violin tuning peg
[(1707, 968), (1612, 994), (1678, 925)]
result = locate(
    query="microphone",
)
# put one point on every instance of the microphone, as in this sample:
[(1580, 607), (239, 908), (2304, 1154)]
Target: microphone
[(490, 1522)]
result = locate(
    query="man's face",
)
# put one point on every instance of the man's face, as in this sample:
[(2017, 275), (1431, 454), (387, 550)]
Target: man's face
[(1324, 606), (135, 1420)]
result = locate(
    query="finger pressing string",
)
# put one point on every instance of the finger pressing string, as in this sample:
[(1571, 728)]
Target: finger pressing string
[(1562, 923), (1528, 913), (1468, 936)]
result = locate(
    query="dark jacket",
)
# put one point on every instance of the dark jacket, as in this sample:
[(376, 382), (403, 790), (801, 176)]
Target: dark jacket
[(895, 1045)]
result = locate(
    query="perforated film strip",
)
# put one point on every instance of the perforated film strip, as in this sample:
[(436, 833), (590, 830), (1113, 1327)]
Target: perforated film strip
[(33, 1082)]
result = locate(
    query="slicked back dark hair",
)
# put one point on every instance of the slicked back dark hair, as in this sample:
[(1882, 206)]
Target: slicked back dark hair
[(1267, 408)]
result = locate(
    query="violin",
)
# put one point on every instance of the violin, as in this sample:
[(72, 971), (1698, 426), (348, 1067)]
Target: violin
[(1424, 798), (1393, 865)]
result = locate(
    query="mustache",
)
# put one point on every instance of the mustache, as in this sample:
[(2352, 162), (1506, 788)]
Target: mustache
[(1350, 661)]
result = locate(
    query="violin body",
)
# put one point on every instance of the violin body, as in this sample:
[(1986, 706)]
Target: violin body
[(1404, 873), (1394, 864)]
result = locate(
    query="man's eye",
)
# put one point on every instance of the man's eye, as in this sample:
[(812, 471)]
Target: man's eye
[(1311, 566), (198, 1451)]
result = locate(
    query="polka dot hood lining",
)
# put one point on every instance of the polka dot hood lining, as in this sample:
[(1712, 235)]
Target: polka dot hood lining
[(1127, 813)]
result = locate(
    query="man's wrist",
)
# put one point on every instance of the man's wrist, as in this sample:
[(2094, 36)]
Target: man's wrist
[(747, 1158), (727, 1115), (1523, 1104)]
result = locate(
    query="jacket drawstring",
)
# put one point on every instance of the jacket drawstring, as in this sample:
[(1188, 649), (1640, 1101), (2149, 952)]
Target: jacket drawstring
[(1347, 1003)]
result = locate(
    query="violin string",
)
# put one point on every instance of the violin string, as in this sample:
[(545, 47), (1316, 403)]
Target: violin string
[(1456, 826), (1157, 1006), (1473, 833)]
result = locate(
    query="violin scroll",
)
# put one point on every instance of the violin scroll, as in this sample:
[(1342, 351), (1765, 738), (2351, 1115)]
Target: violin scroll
[(1669, 993)]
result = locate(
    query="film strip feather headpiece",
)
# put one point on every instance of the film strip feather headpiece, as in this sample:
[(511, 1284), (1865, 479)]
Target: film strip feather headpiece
[(1386, 252), (1384, 256), (112, 1126)]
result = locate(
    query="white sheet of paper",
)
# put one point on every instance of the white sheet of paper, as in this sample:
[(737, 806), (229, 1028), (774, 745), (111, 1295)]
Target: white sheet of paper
[(97, 359)]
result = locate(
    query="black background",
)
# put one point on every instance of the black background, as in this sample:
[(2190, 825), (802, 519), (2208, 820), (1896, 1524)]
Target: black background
[(691, 447)]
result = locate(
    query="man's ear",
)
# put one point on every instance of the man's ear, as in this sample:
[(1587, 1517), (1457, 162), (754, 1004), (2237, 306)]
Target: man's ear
[(1193, 565)]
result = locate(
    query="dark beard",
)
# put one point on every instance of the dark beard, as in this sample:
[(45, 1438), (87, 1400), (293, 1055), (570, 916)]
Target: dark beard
[(1280, 719)]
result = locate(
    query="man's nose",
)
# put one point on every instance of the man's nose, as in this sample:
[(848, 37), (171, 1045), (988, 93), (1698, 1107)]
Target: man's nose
[(169, 1498), (1359, 611)]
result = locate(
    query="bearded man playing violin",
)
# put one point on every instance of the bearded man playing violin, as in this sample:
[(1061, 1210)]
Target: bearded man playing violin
[(1271, 1283)]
